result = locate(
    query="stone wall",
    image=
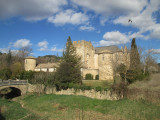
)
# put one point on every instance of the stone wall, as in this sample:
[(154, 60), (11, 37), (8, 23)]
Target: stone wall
[(105, 66), (103, 95)]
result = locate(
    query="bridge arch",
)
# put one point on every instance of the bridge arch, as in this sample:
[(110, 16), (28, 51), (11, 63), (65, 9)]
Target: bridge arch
[(22, 88), (10, 92), (21, 85)]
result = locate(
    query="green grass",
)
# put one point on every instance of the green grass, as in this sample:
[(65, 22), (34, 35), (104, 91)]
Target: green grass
[(13, 111), (63, 107), (98, 83)]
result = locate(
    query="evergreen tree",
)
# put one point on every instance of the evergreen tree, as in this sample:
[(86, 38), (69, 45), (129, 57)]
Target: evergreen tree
[(9, 59), (134, 73), (69, 70), (134, 56)]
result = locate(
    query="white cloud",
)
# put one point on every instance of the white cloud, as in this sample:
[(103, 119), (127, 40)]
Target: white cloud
[(155, 51), (4, 50), (141, 12), (87, 28), (69, 17), (114, 38), (144, 21), (54, 49), (103, 20), (22, 43), (43, 46), (112, 7), (31, 10)]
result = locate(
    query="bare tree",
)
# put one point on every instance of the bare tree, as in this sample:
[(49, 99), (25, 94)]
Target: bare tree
[(24, 51), (150, 62), (121, 62)]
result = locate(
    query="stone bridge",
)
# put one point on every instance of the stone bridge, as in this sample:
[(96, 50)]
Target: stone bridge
[(22, 85)]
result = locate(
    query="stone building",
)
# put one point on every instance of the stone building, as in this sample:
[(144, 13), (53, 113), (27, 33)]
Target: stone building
[(30, 64), (101, 61)]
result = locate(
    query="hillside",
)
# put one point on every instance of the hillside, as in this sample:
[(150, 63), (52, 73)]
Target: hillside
[(48, 59)]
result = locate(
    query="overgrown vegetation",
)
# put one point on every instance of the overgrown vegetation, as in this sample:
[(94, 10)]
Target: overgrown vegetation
[(146, 89)]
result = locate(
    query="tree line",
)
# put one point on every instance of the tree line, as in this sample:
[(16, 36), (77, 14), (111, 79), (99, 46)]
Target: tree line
[(12, 63)]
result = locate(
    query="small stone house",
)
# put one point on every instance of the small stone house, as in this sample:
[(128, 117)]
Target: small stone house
[(46, 67), (30, 64)]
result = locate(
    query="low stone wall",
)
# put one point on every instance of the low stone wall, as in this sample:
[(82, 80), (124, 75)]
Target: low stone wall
[(103, 95)]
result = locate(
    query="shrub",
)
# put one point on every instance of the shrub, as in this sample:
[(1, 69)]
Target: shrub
[(97, 77), (89, 76), (27, 75), (120, 89), (44, 78), (134, 75), (5, 74)]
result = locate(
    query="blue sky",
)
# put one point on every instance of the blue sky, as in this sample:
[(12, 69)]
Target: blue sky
[(45, 25)]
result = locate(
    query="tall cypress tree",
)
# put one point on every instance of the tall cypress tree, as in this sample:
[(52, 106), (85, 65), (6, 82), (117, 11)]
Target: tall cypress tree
[(134, 56), (9, 59), (69, 70), (134, 73)]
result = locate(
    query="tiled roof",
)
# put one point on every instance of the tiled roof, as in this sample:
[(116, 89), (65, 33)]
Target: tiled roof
[(47, 65), (30, 57)]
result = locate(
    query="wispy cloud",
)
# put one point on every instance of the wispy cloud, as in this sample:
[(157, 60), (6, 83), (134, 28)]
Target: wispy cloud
[(43, 45), (87, 28), (154, 51), (54, 49)]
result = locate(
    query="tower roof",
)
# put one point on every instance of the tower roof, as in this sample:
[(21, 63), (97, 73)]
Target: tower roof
[(30, 57)]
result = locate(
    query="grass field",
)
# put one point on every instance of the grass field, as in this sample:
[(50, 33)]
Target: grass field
[(61, 107), (98, 83)]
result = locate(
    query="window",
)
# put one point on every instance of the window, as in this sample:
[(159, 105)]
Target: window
[(103, 57), (26, 61)]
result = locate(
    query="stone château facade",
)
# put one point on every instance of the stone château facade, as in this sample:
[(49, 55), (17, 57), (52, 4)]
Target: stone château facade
[(100, 61)]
